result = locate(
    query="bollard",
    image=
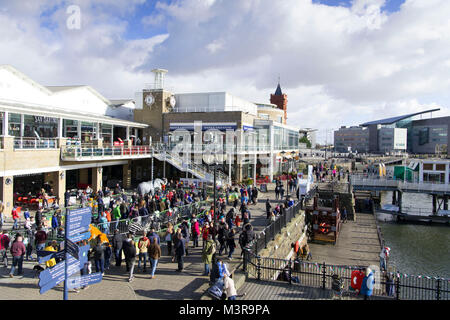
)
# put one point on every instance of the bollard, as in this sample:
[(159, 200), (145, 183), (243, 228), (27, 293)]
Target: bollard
[(290, 272), (324, 272), (438, 289), (259, 267), (397, 287)]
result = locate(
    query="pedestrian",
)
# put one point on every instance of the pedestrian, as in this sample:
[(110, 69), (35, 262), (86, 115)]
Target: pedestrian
[(15, 216), (277, 192), (168, 237), (52, 247), (2, 217), (54, 223), (231, 244), (154, 252), (99, 256), (129, 249), (228, 285), (40, 238), (66, 198), (117, 243), (281, 192), (367, 284), (143, 245), (4, 245), (195, 226), (207, 253), (268, 208), (344, 215), (152, 234), (108, 254), (205, 232), (221, 237), (18, 250), (180, 251), (116, 215)]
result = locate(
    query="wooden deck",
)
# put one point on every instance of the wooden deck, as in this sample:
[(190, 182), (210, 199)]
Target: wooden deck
[(357, 244)]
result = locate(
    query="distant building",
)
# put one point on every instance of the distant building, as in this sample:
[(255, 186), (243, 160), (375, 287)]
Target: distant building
[(310, 134), (430, 136), (397, 134), (351, 139)]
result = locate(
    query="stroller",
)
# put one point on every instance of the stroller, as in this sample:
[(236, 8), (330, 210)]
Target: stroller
[(216, 291), (337, 285)]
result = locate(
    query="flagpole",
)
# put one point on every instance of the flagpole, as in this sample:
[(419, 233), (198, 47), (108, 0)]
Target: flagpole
[(66, 291)]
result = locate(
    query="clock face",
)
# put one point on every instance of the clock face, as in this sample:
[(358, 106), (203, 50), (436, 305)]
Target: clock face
[(173, 101), (149, 100)]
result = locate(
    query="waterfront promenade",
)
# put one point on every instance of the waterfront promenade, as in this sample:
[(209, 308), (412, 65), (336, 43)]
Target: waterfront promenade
[(167, 285)]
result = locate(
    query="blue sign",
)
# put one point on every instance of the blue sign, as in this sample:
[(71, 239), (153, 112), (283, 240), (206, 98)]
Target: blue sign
[(50, 255), (80, 237), (78, 220), (50, 277), (83, 281), (72, 249)]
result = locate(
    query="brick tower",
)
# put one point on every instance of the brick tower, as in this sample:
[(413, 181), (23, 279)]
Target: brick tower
[(280, 99)]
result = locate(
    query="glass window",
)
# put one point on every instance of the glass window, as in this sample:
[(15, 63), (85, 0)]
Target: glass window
[(70, 129), (2, 115), (38, 126), (14, 124), (88, 132), (106, 133)]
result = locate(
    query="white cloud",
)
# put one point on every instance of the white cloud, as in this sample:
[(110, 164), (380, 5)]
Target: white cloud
[(339, 66)]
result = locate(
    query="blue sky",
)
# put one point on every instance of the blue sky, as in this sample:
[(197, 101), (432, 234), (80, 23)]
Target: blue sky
[(390, 5)]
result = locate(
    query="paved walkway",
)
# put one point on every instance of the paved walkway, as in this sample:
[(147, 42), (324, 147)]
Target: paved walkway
[(279, 290), (167, 285)]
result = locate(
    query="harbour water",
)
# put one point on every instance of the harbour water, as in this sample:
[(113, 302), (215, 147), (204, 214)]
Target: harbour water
[(416, 249)]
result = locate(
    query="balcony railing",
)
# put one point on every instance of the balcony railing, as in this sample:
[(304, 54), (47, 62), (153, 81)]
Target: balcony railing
[(34, 143), (73, 152)]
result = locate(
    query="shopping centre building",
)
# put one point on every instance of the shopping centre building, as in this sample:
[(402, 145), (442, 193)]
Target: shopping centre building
[(71, 136)]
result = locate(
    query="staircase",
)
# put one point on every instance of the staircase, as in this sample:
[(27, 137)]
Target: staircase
[(200, 171)]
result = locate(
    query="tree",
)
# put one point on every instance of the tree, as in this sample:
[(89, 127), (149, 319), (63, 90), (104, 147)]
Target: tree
[(304, 139)]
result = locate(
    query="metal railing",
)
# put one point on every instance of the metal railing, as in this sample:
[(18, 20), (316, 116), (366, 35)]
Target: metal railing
[(387, 182), (173, 215), (78, 152), (268, 234), (34, 143), (399, 286)]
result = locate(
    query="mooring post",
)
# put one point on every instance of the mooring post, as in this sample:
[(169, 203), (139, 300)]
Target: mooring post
[(434, 204)]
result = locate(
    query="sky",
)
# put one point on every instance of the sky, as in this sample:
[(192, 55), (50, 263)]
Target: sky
[(341, 62)]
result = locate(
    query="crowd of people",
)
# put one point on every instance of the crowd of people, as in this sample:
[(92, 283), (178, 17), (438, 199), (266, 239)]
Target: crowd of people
[(219, 228)]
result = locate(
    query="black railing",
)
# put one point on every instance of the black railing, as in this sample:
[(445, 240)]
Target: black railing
[(399, 286), (274, 228)]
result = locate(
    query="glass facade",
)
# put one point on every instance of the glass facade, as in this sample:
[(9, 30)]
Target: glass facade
[(14, 122), (70, 129), (88, 132), (106, 133), (42, 127)]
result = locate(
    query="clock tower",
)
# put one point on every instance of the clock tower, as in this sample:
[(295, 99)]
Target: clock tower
[(155, 102)]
